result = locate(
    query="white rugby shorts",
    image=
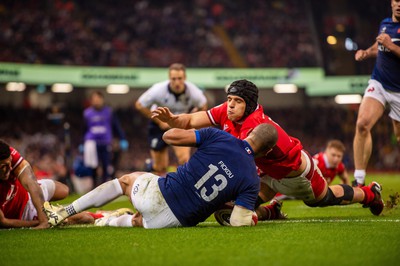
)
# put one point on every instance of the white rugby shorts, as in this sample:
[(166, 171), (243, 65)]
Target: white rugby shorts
[(376, 91), (299, 187), (147, 198), (48, 187)]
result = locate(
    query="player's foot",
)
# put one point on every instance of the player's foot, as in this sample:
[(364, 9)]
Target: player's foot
[(277, 213), (273, 211), (377, 204), (55, 214), (355, 184), (278, 209), (108, 217)]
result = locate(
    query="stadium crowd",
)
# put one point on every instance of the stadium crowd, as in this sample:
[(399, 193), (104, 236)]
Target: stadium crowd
[(155, 33)]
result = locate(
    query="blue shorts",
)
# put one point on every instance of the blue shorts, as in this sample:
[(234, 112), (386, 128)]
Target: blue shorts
[(155, 137)]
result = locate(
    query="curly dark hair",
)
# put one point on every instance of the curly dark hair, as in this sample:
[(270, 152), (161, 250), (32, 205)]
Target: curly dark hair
[(4, 150)]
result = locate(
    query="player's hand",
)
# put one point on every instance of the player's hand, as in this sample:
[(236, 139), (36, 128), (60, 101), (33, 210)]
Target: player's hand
[(384, 39), (361, 55), (42, 225), (137, 219), (162, 113)]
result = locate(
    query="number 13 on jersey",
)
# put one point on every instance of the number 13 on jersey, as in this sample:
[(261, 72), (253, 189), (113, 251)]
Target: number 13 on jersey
[(221, 179)]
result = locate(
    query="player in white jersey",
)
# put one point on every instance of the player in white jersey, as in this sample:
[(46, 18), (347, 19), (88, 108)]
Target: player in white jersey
[(180, 96), (383, 88)]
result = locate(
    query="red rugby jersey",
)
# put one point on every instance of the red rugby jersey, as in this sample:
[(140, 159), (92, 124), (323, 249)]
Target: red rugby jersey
[(284, 157), (13, 196), (329, 173)]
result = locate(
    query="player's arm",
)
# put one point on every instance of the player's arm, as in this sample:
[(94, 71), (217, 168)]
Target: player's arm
[(27, 178), (180, 137), (345, 177), (386, 41), (15, 223), (369, 53), (242, 216), (186, 121), (147, 113)]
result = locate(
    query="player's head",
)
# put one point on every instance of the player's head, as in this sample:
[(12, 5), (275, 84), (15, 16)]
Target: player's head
[(5, 160), (396, 9), (248, 92), (177, 77), (97, 99), (334, 152), (263, 138)]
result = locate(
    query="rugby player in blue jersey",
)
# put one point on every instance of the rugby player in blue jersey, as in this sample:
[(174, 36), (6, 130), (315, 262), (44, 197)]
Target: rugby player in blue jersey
[(221, 170), (383, 88)]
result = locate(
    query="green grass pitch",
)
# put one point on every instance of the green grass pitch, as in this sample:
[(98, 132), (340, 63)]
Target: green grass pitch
[(340, 235)]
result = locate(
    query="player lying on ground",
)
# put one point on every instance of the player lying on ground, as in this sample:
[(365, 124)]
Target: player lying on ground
[(197, 189), (21, 195)]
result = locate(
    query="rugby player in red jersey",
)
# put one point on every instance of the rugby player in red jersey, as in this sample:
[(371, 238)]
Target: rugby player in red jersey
[(21, 195), (288, 168), (330, 162)]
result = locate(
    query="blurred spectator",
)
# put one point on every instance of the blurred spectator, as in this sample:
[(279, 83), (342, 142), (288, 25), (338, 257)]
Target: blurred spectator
[(100, 126)]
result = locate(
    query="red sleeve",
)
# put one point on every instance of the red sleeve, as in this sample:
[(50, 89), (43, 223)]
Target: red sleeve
[(16, 158), (218, 114)]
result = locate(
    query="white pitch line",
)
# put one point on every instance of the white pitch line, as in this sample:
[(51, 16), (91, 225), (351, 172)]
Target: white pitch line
[(333, 221), (324, 221)]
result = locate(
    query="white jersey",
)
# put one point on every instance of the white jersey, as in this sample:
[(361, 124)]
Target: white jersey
[(160, 95)]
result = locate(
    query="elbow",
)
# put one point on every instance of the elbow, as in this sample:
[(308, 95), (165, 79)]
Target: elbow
[(169, 136), (138, 106)]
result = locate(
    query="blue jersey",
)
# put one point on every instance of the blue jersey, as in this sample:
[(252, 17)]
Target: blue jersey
[(222, 169), (387, 67)]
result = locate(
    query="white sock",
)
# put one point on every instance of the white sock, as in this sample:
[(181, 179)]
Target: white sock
[(99, 196), (359, 175), (122, 221)]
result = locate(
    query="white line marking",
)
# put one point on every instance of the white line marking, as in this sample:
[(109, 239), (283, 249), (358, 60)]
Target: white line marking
[(324, 221)]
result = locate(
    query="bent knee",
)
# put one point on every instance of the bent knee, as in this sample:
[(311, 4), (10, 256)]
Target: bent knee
[(129, 179), (363, 125), (61, 191)]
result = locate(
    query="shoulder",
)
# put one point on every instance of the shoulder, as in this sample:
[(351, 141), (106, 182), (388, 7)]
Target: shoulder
[(256, 116), (158, 87), (387, 20), (212, 133), (219, 108), (192, 86), (218, 113), (341, 167), (318, 155), (16, 158)]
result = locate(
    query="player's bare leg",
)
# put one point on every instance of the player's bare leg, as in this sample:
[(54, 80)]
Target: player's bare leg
[(396, 128), (369, 112), (160, 161), (61, 191)]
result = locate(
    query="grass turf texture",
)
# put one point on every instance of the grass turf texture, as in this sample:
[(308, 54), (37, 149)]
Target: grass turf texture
[(339, 235)]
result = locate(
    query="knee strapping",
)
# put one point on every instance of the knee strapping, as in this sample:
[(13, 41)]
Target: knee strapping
[(259, 202), (330, 199)]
